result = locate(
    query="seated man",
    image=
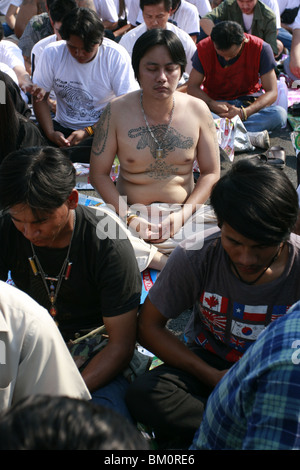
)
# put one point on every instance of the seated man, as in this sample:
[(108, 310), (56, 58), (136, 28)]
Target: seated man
[(34, 359), (255, 406), (10, 56), (156, 14), (55, 252), (157, 133), (234, 74), (253, 15), (85, 71), (243, 277)]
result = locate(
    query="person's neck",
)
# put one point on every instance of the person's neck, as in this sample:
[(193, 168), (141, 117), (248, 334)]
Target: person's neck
[(158, 111)]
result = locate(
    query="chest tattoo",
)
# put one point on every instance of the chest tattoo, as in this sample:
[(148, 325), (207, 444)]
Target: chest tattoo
[(174, 140)]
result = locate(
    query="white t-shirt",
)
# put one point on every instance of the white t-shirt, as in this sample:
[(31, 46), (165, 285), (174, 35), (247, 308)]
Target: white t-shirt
[(129, 39), (83, 90), (287, 4), (34, 358), (4, 5), (203, 6), (39, 47), (108, 10), (296, 24), (11, 54), (273, 5)]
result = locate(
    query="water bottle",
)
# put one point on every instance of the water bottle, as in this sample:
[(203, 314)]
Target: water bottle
[(282, 97)]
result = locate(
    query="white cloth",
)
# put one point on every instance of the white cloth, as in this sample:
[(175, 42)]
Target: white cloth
[(33, 356), (108, 10), (287, 4), (10, 54), (195, 227), (273, 5), (129, 39), (83, 90), (186, 17), (296, 24), (39, 47), (4, 5), (203, 6)]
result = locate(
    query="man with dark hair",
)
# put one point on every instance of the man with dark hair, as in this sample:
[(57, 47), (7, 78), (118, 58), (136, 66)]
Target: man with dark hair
[(58, 254), (63, 423), (156, 14), (245, 276), (167, 130), (85, 70), (253, 15), (237, 71)]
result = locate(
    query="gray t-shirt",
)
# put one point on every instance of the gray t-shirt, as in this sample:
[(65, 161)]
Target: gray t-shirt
[(228, 315)]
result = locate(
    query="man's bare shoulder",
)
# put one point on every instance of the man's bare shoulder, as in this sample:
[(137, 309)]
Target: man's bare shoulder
[(124, 101)]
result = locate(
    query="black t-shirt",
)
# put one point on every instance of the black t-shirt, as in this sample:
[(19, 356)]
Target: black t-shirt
[(104, 279)]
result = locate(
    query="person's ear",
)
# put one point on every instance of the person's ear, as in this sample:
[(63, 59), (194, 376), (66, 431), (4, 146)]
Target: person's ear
[(73, 199)]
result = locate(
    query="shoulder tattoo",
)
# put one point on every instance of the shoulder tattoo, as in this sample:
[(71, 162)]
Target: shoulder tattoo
[(101, 131)]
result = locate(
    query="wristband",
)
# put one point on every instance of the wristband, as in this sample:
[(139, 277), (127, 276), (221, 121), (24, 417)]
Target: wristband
[(244, 113), (89, 130), (129, 218)]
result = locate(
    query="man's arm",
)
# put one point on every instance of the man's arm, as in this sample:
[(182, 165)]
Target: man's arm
[(194, 83), (27, 10), (295, 54), (223, 109), (208, 158), (207, 25), (112, 359), (104, 150), (10, 16), (43, 115), (153, 335)]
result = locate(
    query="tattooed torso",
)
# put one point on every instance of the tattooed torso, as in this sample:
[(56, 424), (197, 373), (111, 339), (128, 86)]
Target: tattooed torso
[(142, 175)]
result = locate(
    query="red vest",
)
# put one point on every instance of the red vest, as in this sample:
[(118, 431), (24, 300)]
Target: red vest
[(238, 79)]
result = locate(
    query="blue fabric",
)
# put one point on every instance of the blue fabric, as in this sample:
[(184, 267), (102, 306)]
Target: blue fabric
[(256, 404), (285, 37), (112, 396), (7, 29)]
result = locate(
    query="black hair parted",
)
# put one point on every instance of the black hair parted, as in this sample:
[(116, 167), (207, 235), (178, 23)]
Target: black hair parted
[(40, 177), (158, 37), (256, 200), (84, 23), (226, 34)]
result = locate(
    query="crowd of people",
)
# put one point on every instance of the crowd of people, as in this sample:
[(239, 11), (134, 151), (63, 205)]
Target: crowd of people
[(144, 81)]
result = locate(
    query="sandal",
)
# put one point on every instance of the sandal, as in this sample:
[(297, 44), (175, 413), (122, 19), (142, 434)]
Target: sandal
[(276, 157)]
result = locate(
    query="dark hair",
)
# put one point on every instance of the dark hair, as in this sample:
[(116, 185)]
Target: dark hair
[(85, 24), (256, 200), (40, 177), (225, 34), (62, 423), (59, 8), (167, 3), (158, 37)]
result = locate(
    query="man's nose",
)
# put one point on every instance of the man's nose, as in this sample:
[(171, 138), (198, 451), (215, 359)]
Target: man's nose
[(246, 257), (29, 231)]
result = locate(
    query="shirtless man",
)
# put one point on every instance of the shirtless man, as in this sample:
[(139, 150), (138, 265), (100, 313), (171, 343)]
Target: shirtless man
[(157, 134)]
